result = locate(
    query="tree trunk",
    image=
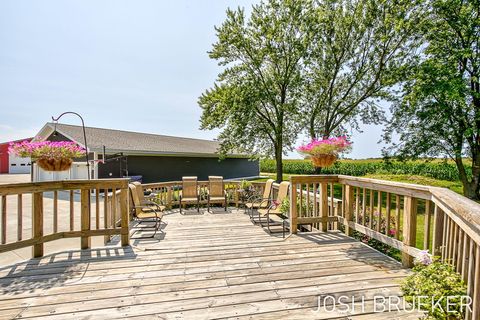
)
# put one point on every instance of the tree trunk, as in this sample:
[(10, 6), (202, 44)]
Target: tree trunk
[(278, 160), (470, 188)]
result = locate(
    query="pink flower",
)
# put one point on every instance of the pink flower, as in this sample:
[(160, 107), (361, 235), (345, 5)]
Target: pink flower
[(333, 145), (46, 149)]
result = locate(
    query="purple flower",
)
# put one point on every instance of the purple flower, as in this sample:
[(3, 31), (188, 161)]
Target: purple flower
[(424, 258)]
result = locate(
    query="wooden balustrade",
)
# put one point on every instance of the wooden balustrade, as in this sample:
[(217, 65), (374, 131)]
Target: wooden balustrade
[(168, 192), (389, 212), (68, 207), (312, 202)]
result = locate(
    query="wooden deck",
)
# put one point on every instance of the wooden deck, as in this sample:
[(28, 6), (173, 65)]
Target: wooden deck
[(203, 267)]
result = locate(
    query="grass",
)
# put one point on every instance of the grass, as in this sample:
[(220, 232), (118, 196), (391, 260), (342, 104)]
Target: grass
[(455, 186)]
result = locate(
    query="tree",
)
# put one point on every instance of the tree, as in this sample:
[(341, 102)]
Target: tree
[(354, 61), (255, 100), (438, 112)]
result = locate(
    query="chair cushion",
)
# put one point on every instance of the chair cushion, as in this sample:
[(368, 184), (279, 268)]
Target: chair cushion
[(264, 212), (217, 199), (151, 208), (255, 205), (150, 215), (189, 199)]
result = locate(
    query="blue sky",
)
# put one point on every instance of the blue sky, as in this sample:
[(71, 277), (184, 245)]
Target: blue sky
[(132, 65)]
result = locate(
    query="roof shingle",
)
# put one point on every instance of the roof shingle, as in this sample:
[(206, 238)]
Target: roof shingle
[(136, 142)]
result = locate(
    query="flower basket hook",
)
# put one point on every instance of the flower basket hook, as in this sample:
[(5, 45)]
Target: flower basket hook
[(55, 121)]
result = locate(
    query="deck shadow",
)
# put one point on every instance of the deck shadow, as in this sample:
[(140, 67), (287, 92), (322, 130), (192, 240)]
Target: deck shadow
[(55, 269), (362, 253)]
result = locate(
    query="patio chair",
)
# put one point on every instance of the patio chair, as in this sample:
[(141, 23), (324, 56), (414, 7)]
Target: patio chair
[(143, 198), (274, 208), (146, 211), (189, 193), (216, 192), (256, 201)]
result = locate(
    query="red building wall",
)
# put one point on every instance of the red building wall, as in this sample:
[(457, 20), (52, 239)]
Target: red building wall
[(4, 158)]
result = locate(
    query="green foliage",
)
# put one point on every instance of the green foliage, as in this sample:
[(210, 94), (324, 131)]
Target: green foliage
[(438, 109), (285, 205), (437, 280), (358, 49), (296, 65), (435, 169), (255, 100), (245, 184)]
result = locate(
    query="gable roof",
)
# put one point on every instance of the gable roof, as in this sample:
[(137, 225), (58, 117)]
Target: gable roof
[(130, 142)]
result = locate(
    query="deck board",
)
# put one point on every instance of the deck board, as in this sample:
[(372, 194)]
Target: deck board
[(206, 266)]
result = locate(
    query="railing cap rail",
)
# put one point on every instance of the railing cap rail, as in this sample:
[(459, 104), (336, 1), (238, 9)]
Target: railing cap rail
[(45, 186)]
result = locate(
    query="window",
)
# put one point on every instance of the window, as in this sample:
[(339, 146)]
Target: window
[(13, 164)]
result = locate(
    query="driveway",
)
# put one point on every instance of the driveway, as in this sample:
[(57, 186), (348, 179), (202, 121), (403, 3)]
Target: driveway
[(14, 178), (14, 256)]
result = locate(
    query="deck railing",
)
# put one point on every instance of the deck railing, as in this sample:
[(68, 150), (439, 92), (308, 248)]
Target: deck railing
[(389, 212), (79, 206), (168, 192)]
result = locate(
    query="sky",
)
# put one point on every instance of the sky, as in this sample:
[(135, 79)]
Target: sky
[(129, 65)]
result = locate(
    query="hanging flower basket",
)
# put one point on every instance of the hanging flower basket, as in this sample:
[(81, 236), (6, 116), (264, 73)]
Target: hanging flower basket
[(323, 160), (324, 153), (55, 164), (49, 155)]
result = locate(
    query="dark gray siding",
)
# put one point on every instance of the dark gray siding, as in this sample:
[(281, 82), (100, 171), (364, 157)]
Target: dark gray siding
[(163, 168)]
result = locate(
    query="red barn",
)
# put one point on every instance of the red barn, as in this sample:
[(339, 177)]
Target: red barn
[(13, 164)]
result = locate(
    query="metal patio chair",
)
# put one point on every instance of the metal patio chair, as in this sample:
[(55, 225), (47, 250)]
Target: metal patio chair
[(145, 211), (275, 207), (256, 201)]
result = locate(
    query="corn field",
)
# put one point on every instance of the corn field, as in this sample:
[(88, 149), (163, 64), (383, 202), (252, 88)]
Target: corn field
[(440, 170)]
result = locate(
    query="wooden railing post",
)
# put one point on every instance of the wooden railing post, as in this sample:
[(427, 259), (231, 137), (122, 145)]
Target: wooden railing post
[(409, 228), (476, 289), (37, 224), (293, 206), (438, 220), (169, 197), (349, 199), (85, 241), (4, 220), (124, 216), (324, 206)]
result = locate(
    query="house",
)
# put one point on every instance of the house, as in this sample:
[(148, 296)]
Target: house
[(156, 158), (10, 163)]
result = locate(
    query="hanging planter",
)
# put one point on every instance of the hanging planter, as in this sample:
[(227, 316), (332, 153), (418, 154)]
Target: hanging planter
[(323, 160), (50, 156), (55, 164), (324, 153)]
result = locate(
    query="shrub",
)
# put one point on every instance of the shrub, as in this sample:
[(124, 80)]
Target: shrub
[(435, 281)]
